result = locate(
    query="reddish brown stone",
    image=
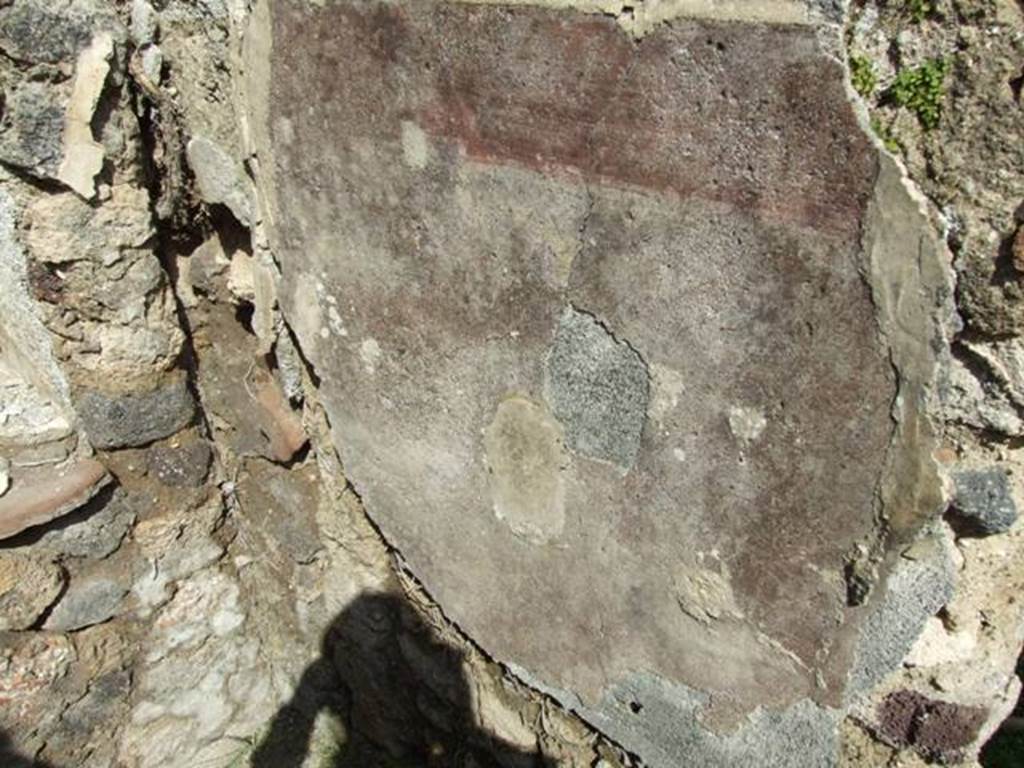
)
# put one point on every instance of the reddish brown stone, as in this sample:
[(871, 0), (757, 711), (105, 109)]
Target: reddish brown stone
[(282, 425), (938, 730), (40, 494)]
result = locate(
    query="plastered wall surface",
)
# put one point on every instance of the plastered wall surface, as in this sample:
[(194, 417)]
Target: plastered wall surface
[(470, 383)]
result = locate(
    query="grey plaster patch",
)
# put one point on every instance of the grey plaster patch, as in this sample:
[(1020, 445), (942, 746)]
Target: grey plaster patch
[(983, 504), (598, 388), (119, 421), (920, 583), (663, 722), (526, 458)]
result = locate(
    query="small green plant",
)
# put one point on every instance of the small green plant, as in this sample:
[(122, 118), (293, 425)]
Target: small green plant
[(920, 90), (885, 134), (862, 75), (919, 10)]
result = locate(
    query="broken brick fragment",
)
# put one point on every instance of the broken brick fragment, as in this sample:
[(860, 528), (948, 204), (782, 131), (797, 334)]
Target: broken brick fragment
[(937, 730), (41, 494)]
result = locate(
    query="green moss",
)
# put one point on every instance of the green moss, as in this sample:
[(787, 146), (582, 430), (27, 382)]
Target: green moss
[(862, 75), (885, 135), (921, 90)]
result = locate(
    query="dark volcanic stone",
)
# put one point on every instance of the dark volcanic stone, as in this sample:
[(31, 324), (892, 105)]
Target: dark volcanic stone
[(32, 127), (30, 32), (938, 730), (983, 504), (135, 419)]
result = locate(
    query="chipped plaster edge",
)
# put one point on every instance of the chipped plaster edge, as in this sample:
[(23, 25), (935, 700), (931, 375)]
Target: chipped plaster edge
[(641, 17), (909, 271)]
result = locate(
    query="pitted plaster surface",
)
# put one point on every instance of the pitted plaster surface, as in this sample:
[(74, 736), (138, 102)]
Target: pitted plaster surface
[(663, 722), (598, 388)]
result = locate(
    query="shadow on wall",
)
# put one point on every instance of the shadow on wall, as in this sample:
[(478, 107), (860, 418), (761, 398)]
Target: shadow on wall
[(11, 759), (402, 695)]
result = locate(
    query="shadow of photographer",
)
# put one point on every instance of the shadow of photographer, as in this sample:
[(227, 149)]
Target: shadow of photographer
[(402, 694)]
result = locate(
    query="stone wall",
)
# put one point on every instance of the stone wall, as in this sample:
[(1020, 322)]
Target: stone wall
[(548, 382)]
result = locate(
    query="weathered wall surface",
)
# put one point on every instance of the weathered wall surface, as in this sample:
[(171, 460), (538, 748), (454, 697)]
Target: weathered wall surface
[(651, 366), (533, 230)]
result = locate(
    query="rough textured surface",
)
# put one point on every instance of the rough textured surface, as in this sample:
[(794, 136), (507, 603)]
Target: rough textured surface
[(598, 388), (94, 530), (181, 464), (119, 421), (522, 202), (919, 585), (88, 601), (42, 494), (983, 503), (28, 586), (640, 348), (663, 723), (220, 179), (937, 729)]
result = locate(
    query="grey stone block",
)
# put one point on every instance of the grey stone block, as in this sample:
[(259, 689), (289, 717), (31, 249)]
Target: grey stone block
[(31, 32), (97, 529), (88, 601), (983, 504), (32, 129), (136, 419)]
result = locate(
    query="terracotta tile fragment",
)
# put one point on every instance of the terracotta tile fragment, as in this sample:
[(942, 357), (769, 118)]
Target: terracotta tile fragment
[(41, 494)]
